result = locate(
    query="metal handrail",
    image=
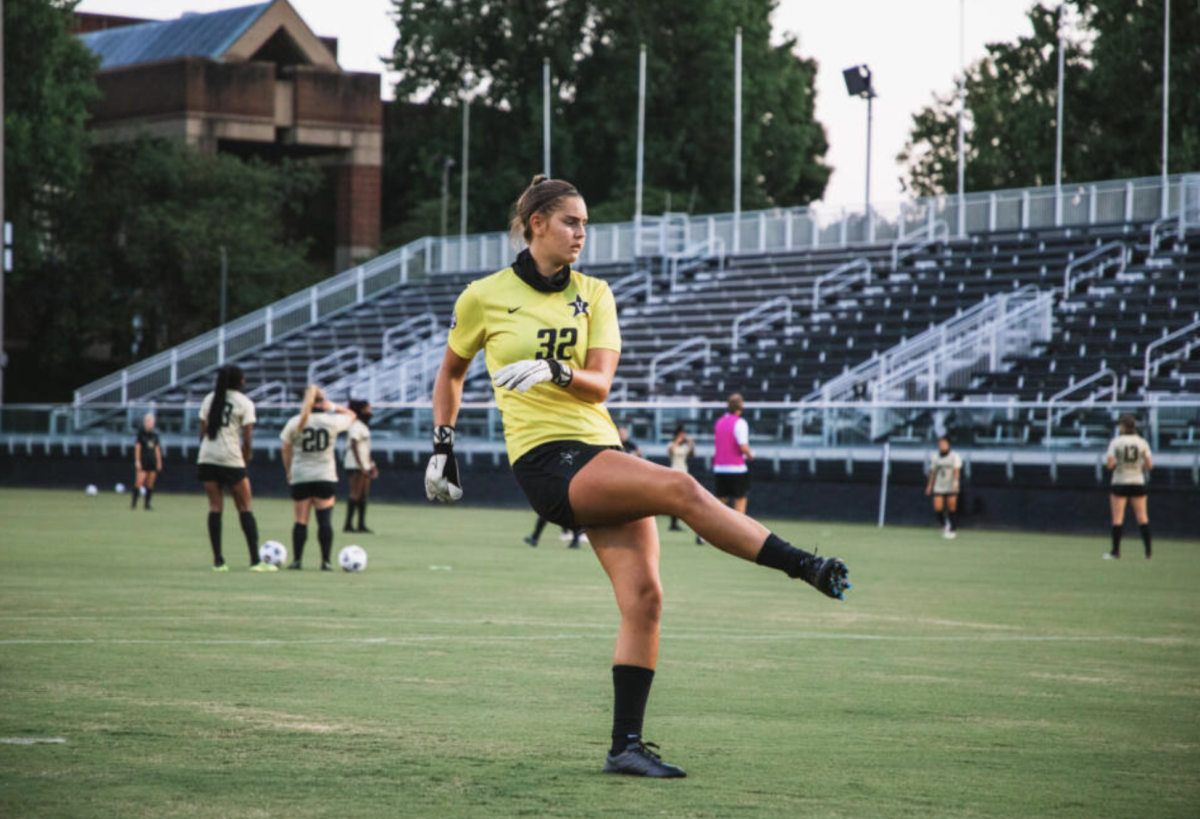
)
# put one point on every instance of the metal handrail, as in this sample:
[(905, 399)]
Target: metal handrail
[(759, 317), (263, 393), (628, 285), (694, 255), (845, 272), (1194, 327), (405, 331), (1098, 270), (683, 354), (1104, 372), (918, 240), (316, 370)]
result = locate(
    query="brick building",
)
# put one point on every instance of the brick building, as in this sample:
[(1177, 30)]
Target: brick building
[(252, 81)]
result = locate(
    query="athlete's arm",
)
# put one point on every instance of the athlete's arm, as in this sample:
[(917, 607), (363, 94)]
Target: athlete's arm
[(354, 449), (593, 382), (957, 474), (158, 456), (1149, 462), (137, 455), (447, 389), (247, 436), (285, 453)]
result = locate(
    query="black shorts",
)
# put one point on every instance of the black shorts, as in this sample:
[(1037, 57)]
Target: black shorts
[(1128, 490), (731, 485), (322, 490), (151, 467), (224, 475), (945, 494), (545, 472)]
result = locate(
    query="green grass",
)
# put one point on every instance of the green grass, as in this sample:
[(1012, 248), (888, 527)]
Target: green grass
[(999, 675)]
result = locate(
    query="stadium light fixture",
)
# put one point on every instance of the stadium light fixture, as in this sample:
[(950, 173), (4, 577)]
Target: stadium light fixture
[(858, 84)]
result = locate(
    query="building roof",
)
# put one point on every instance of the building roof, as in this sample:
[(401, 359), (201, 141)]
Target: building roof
[(192, 35)]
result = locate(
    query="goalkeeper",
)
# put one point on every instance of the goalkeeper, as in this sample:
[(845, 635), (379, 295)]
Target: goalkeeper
[(551, 341)]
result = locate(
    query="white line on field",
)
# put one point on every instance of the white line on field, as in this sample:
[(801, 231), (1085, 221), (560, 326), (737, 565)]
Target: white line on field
[(514, 638), (31, 740)]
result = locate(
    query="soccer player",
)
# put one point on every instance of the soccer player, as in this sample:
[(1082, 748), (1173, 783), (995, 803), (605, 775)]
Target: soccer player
[(147, 461), (627, 443), (1129, 459), (573, 535), (311, 468), (226, 429), (731, 455), (360, 467), (945, 469), (551, 342), (681, 448)]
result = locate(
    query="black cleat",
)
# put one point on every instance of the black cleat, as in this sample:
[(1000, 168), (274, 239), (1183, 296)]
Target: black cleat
[(295, 565), (326, 566), (349, 529), (529, 539), (639, 760), (828, 575)]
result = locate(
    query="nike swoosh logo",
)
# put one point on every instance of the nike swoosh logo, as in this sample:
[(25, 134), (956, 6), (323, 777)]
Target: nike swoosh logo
[(512, 310)]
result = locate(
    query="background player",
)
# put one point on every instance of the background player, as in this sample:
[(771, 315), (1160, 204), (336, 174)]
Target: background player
[(731, 455), (226, 430), (945, 469), (1129, 459), (681, 448), (311, 468), (147, 461), (360, 466), (552, 343)]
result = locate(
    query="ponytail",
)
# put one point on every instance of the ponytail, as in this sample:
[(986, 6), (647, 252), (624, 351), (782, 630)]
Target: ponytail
[(216, 410), (311, 396)]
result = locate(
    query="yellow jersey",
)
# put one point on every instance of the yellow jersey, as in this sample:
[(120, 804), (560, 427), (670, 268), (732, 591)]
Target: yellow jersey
[(511, 321)]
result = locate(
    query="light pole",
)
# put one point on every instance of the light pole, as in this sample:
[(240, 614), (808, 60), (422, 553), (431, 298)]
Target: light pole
[(858, 84), (962, 104), (1166, 97), (447, 164), (224, 282), (466, 167), (546, 117), (1058, 129), (737, 139), (640, 170)]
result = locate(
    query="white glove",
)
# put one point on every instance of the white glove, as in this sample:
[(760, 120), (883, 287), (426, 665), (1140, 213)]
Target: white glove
[(442, 482), (521, 375)]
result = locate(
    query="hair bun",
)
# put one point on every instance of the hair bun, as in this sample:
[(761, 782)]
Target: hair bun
[(539, 179)]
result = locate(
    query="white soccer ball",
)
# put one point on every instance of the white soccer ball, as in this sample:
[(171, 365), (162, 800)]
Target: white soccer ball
[(119, 489), (92, 490), (273, 552), (353, 558)]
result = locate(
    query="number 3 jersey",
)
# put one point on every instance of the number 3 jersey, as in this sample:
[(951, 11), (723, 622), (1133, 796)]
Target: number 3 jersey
[(1130, 453), (511, 321), (313, 456), (226, 448)]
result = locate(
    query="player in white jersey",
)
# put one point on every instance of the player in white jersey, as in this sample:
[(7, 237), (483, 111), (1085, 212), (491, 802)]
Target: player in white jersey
[(310, 463), (226, 427), (1129, 459), (945, 470), (360, 467)]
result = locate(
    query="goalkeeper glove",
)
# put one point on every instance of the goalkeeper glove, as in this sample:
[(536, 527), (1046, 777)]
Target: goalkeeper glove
[(521, 375), (441, 476)]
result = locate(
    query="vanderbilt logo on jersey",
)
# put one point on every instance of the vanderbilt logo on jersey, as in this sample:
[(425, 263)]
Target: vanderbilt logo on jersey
[(581, 306)]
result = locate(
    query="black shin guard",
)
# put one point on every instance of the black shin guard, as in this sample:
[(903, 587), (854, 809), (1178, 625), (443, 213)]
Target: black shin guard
[(777, 553), (133, 503), (1116, 540), (538, 527), (214, 537), (299, 536), (1145, 529), (250, 530), (349, 526), (362, 513), (149, 492), (631, 691), (953, 518), (325, 533), (941, 517)]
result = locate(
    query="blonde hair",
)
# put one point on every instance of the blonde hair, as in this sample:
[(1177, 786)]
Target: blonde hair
[(542, 196), (311, 396)]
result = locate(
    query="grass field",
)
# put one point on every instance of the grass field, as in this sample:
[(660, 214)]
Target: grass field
[(466, 675)]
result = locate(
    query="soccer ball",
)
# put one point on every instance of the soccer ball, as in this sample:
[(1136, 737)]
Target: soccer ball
[(273, 552), (119, 489), (353, 558), (92, 490)]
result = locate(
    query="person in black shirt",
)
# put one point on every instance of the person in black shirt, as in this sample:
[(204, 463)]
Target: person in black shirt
[(147, 460)]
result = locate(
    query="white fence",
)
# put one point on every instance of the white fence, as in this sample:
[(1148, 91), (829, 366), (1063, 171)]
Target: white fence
[(781, 229)]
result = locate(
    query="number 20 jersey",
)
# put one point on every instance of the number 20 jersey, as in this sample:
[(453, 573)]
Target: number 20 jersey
[(511, 321), (313, 456)]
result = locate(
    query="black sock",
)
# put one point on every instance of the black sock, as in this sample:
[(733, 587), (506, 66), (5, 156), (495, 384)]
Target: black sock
[(941, 516), (538, 527), (349, 515), (214, 537), (149, 492), (674, 522), (299, 535), (136, 492), (1145, 527), (953, 518), (1116, 537), (575, 537), (325, 533), (631, 690), (777, 553), (250, 530), (362, 513)]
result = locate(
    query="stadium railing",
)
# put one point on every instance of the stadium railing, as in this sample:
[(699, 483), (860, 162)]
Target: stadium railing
[(764, 231)]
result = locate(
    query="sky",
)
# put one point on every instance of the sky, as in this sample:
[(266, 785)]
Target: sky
[(911, 46)]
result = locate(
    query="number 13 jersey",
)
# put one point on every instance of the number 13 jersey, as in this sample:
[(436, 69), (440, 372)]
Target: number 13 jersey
[(1130, 453), (511, 321), (312, 447)]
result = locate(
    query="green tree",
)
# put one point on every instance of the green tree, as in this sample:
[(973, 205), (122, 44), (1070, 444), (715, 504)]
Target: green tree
[(1112, 98), (593, 50)]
